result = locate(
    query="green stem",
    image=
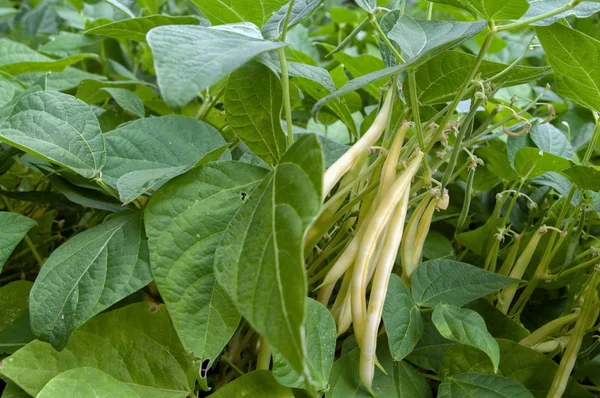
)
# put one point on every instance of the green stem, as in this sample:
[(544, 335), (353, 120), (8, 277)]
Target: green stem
[(384, 37), (414, 104), (529, 21), (264, 355), (287, 20), (285, 86), (429, 11)]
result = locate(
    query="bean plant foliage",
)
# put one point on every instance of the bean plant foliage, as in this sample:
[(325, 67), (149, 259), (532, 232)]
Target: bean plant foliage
[(305, 198)]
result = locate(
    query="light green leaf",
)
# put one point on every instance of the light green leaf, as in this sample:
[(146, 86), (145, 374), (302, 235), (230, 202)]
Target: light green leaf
[(321, 335), (496, 161), (189, 59), (137, 28), (128, 100), (550, 139), (7, 91), (145, 153), (584, 9), (421, 40), (253, 100), (401, 381), (453, 282), (135, 344), (300, 11), (86, 382), (15, 331), (65, 44), (259, 383), (496, 10), (257, 12), (259, 260), (92, 90), (467, 327), (475, 385), (559, 182), (17, 58), (573, 56), (367, 5), (88, 274), (14, 228), (402, 319), (360, 66), (297, 69), (586, 177), (56, 127), (185, 220), (532, 162), (61, 81)]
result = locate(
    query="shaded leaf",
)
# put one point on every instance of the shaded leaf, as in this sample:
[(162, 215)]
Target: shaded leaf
[(584, 9), (532, 162), (473, 385), (15, 331), (301, 10), (431, 346), (14, 228), (137, 28), (586, 177), (259, 383), (128, 100)]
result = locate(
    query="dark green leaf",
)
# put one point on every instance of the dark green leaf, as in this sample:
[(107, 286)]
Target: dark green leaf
[(532, 162), (586, 177), (14, 228), (15, 331), (498, 324), (475, 385), (431, 347), (127, 100), (136, 28)]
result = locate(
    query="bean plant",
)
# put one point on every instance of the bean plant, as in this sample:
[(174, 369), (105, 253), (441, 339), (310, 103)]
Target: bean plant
[(305, 198)]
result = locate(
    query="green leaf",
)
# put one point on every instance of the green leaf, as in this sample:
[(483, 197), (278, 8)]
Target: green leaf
[(253, 100), (584, 9), (586, 177), (573, 56), (467, 327), (128, 100), (297, 69), (550, 139), (257, 12), (453, 282), (496, 10), (11, 390), (498, 324), (88, 274), (532, 162), (147, 152), (86, 382), (94, 91), (496, 162), (185, 220), (474, 385), (402, 319), (421, 40), (300, 11), (259, 383), (17, 58), (360, 66), (135, 344), (56, 127), (14, 228), (431, 347), (560, 183), (15, 331), (136, 28), (84, 196), (65, 44), (401, 381), (183, 71), (367, 5), (321, 335), (439, 79), (7, 91), (259, 260)]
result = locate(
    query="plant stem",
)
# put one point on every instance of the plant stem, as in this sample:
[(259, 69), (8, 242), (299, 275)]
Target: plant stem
[(384, 37), (264, 355), (429, 11), (414, 104), (529, 21), (287, 20), (285, 86)]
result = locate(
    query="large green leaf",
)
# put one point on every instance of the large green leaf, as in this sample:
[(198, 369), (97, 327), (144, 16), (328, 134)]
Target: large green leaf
[(453, 282), (431, 346), (475, 385), (136, 28), (583, 9), (532, 162), (7, 91), (135, 344), (495, 10), (401, 381), (259, 260), (86, 382), (550, 139), (128, 100), (257, 12), (145, 153), (56, 127), (320, 341), (14, 228), (402, 319), (15, 331), (66, 43), (574, 58), (421, 40), (253, 100), (301, 10), (259, 383), (189, 59), (586, 177), (88, 274), (467, 327), (185, 220)]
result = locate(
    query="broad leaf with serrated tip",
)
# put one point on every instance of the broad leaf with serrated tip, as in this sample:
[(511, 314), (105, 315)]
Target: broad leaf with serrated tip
[(15, 331), (573, 56), (137, 28), (259, 383), (146, 152), (259, 261), (56, 127), (301, 10), (402, 319), (14, 228), (128, 100), (88, 274), (189, 59), (475, 385), (184, 221), (86, 382), (135, 344), (320, 341), (467, 327), (532, 162), (421, 40), (253, 100), (447, 281), (584, 9)]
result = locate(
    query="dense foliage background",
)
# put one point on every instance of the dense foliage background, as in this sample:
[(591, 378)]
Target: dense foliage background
[(166, 229)]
